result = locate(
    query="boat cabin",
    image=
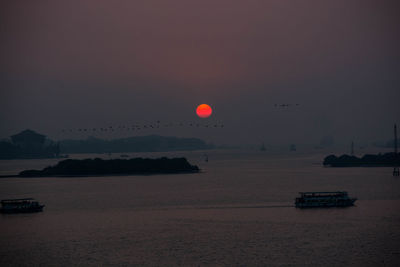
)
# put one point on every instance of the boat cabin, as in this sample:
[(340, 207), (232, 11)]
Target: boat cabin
[(323, 194)]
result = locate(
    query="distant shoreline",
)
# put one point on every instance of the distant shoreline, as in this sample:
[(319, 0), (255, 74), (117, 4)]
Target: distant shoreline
[(9, 176)]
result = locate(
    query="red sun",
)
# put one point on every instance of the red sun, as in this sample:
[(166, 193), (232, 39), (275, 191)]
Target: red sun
[(204, 111)]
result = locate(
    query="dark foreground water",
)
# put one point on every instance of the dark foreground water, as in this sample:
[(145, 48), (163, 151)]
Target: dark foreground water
[(237, 212)]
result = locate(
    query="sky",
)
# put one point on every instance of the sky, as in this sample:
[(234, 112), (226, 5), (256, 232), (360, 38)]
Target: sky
[(94, 63)]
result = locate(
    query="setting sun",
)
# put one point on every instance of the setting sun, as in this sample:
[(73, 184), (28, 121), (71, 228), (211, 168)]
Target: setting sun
[(203, 111)]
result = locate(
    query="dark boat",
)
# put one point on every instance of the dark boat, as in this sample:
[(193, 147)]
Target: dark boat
[(324, 199), (22, 205)]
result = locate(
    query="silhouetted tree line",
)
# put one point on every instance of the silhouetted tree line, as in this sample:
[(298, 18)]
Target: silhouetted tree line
[(381, 160), (97, 166)]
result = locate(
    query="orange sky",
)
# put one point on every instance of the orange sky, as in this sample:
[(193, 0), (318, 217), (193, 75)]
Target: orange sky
[(103, 61)]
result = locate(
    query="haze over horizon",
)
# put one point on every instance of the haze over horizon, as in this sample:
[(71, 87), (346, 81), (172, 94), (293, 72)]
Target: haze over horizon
[(85, 64)]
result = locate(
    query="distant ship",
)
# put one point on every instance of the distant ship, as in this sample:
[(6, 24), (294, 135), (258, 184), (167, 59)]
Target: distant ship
[(262, 148), (324, 199), (22, 205)]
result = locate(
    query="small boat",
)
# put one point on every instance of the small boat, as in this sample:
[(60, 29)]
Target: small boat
[(22, 205), (324, 199)]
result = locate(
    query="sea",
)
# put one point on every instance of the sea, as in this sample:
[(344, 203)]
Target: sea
[(238, 211)]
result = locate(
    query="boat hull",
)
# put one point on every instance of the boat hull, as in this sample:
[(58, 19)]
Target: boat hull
[(22, 210), (326, 204)]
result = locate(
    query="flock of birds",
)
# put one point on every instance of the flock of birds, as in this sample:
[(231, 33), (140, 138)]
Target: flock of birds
[(286, 105), (137, 127), (158, 124)]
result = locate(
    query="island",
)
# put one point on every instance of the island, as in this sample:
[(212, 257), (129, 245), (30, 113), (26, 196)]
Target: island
[(369, 160), (100, 167)]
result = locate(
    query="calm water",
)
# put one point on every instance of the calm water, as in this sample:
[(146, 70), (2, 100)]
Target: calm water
[(238, 211)]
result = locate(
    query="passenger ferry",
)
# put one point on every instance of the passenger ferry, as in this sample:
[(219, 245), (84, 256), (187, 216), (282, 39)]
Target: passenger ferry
[(324, 199), (21, 205)]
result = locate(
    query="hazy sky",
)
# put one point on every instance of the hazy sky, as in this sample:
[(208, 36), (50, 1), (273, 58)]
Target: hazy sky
[(94, 63)]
